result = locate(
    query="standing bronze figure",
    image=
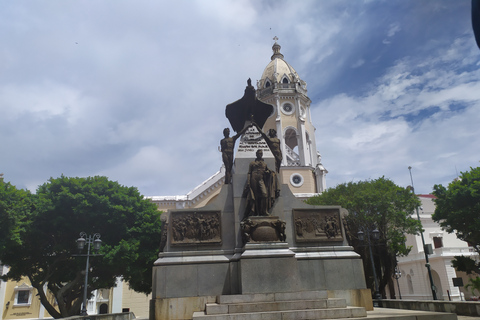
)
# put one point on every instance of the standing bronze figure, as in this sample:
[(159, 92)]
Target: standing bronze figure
[(274, 144), (227, 145), (262, 187)]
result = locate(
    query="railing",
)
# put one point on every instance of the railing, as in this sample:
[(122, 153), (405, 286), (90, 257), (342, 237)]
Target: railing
[(293, 159), (269, 90), (265, 92)]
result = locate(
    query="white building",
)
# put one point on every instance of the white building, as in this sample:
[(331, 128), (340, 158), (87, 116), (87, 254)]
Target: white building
[(414, 282)]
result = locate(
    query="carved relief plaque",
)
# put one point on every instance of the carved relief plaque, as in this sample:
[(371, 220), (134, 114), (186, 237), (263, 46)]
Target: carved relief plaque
[(195, 227), (314, 225)]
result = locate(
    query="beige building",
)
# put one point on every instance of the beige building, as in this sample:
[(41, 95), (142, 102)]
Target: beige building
[(19, 300)]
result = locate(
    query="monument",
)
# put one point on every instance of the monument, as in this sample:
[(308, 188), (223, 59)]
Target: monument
[(255, 240)]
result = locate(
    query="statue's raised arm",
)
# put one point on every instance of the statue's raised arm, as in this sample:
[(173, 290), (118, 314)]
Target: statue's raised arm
[(227, 145), (274, 144)]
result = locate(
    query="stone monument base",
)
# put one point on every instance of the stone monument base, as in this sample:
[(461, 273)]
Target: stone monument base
[(184, 308)]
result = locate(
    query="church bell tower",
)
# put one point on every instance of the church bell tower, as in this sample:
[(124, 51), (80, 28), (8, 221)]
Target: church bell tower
[(280, 86)]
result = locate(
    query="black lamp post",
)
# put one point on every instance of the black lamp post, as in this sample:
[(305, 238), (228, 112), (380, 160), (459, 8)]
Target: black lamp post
[(427, 264), (375, 235), (89, 240), (396, 275)]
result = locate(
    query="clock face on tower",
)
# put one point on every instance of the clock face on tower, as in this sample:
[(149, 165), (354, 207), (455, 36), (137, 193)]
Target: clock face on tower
[(287, 108), (296, 180)]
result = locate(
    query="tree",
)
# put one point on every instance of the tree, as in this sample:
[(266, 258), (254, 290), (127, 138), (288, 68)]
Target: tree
[(63, 207), (458, 210), (15, 209), (377, 204)]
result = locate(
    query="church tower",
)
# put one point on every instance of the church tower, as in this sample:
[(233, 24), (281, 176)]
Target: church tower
[(281, 87)]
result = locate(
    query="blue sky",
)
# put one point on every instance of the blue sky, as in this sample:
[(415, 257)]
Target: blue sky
[(136, 90)]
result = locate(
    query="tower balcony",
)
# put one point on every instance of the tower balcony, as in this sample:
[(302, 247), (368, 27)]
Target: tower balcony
[(280, 87)]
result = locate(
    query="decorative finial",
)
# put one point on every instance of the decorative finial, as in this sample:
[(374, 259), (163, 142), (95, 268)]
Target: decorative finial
[(276, 49)]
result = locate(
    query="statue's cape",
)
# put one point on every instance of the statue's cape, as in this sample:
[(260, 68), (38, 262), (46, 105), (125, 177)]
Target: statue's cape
[(240, 111)]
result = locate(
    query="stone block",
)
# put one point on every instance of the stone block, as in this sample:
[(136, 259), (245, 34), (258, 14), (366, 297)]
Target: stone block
[(215, 308), (336, 303), (213, 278), (179, 308), (264, 275), (246, 298), (301, 295), (354, 297), (339, 274), (312, 274)]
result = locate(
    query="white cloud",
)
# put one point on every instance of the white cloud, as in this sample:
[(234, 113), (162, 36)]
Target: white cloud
[(359, 63), (394, 28), (370, 143), (137, 90)]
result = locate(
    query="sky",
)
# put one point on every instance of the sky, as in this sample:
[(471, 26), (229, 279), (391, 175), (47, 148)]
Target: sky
[(136, 90)]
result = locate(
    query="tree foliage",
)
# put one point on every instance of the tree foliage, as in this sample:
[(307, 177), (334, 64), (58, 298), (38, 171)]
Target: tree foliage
[(374, 204), (15, 209), (458, 210), (63, 207)]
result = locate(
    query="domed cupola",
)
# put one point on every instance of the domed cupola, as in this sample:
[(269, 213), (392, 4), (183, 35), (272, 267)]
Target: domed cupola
[(278, 71), (281, 87)]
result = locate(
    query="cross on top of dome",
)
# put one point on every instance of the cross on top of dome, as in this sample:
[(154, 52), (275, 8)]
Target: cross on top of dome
[(276, 49)]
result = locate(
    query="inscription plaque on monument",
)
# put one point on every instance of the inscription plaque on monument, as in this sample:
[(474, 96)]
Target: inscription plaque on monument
[(314, 225), (250, 142), (195, 227)]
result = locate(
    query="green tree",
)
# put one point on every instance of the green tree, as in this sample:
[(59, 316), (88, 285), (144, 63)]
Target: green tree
[(130, 232), (458, 210), (15, 210), (374, 204)]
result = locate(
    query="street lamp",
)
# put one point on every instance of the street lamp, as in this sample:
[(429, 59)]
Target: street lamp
[(375, 235), (427, 264), (89, 240), (397, 275)]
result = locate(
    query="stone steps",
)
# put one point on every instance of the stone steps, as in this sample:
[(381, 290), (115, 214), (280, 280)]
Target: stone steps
[(216, 308), (275, 306)]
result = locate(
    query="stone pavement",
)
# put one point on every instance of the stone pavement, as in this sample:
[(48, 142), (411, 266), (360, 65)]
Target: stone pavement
[(379, 313)]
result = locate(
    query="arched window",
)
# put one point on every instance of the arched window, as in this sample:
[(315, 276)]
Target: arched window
[(267, 83), (291, 146), (285, 80)]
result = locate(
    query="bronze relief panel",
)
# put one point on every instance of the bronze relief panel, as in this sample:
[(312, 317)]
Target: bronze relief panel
[(195, 227), (315, 225)]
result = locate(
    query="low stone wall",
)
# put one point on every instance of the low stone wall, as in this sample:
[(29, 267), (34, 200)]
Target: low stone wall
[(108, 316), (463, 308)]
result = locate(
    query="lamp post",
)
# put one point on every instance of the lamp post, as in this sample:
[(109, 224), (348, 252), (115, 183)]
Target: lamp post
[(89, 240), (427, 264), (396, 275), (375, 235)]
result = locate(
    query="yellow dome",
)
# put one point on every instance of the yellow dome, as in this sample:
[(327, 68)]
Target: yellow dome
[(278, 70)]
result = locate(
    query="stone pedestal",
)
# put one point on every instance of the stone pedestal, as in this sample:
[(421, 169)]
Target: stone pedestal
[(266, 268), (216, 250)]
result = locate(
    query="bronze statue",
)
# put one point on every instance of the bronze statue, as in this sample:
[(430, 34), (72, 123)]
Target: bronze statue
[(262, 187), (274, 144), (248, 106), (227, 145)]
